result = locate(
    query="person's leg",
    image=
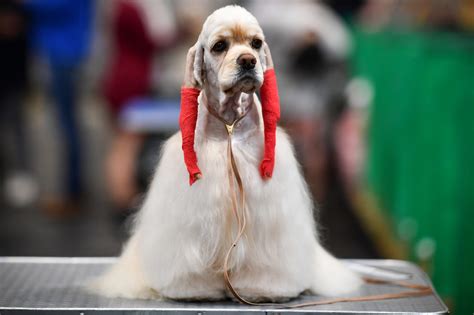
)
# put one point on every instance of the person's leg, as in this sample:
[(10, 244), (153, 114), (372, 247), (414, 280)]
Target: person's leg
[(19, 187), (12, 131), (65, 99), (121, 169)]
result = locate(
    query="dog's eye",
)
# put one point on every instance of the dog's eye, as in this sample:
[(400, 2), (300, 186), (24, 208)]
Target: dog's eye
[(219, 46), (256, 43)]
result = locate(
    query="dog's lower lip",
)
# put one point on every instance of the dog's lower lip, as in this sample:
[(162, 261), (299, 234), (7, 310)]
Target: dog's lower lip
[(246, 76), (246, 80)]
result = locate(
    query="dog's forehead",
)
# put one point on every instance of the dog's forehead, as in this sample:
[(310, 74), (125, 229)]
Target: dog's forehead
[(230, 21)]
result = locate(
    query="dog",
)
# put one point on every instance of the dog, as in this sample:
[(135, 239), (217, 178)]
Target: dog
[(181, 234)]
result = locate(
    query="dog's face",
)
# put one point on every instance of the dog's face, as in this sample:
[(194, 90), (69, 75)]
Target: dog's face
[(229, 52)]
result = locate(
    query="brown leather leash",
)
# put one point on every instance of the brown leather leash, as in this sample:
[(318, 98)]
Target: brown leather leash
[(414, 290)]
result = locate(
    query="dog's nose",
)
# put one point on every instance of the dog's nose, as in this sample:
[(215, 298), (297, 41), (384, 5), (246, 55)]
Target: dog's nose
[(247, 61)]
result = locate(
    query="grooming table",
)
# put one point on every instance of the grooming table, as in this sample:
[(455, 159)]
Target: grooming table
[(53, 286)]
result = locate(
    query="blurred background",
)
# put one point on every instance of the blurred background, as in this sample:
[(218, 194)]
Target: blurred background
[(378, 97)]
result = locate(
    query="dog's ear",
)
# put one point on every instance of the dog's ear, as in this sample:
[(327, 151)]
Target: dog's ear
[(263, 58), (199, 71)]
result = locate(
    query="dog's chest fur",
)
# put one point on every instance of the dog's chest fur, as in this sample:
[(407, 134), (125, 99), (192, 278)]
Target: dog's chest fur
[(213, 160)]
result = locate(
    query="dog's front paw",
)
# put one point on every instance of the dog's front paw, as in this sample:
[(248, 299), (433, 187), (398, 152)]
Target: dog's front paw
[(106, 288)]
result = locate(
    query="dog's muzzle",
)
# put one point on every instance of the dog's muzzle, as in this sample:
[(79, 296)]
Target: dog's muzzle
[(245, 81)]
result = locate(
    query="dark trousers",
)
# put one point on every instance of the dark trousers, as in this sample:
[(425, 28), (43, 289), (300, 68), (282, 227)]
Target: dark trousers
[(13, 155)]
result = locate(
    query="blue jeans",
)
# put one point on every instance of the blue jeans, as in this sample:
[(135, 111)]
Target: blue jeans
[(64, 80)]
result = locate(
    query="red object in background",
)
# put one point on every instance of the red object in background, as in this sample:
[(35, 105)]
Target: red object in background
[(130, 72)]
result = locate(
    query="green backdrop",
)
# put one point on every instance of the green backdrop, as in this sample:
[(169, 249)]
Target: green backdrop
[(421, 149)]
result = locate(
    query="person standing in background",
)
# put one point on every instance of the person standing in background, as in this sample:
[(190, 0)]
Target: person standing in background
[(140, 29), (18, 186), (61, 33)]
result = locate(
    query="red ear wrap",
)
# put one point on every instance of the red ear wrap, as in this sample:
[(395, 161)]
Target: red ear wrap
[(187, 123), (271, 115)]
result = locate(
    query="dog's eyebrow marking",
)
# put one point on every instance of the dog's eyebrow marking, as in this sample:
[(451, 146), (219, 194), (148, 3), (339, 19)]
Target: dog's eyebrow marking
[(239, 34)]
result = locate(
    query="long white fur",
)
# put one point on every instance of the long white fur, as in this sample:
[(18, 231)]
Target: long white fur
[(182, 232)]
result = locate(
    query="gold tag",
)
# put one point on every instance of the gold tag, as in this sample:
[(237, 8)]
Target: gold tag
[(230, 128)]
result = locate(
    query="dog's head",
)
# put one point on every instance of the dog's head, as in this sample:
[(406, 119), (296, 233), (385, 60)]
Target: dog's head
[(229, 52)]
